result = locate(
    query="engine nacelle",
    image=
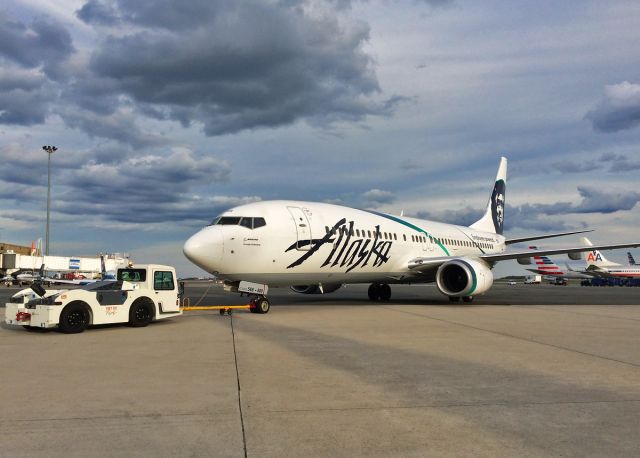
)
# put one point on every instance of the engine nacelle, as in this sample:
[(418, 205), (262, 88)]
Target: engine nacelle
[(316, 289), (463, 277), (524, 261), (575, 255)]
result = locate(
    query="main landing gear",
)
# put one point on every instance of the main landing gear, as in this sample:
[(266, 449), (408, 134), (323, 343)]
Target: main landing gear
[(464, 298), (379, 292)]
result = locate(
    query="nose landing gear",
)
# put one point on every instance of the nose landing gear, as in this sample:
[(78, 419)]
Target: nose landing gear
[(380, 292), (259, 304)]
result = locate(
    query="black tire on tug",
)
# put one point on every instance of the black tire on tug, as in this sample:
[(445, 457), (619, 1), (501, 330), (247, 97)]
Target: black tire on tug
[(385, 292), (262, 305), (374, 292), (74, 318), (140, 314), (467, 298)]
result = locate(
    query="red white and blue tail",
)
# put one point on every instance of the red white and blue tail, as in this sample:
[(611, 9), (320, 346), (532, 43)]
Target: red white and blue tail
[(545, 266)]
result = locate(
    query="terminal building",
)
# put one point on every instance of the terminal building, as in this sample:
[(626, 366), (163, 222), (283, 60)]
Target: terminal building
[(22, 258)]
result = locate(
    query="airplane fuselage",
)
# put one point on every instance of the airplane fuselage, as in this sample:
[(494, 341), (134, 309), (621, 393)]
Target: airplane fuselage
[(284, 243)]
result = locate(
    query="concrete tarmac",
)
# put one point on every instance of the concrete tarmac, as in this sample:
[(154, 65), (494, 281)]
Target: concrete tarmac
[(515, 373)]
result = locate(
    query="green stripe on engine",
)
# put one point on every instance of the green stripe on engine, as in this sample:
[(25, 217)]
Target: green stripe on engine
[(474, 281), (414, 227)]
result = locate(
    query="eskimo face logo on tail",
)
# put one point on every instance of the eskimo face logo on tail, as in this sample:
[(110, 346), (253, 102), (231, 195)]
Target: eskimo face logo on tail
[(348, 250), (497, 205)]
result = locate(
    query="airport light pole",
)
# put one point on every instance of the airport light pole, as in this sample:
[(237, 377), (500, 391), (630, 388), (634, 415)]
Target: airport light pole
[(50, 150)]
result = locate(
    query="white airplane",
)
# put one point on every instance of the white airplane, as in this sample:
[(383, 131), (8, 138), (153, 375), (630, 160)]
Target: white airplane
[(599, 266), (23, 276), (544, 265), (317, 247)]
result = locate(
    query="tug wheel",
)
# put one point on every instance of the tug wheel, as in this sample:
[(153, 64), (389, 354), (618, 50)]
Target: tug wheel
[(74, 318), (140, 314)]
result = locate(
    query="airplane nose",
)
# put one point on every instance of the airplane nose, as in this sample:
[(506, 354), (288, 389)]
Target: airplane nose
[(205, 248)]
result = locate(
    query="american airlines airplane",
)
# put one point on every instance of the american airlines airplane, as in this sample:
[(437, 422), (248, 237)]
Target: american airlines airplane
[(317, 247), (599, 266)]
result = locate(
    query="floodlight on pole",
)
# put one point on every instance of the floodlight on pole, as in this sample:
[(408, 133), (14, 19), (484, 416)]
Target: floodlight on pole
[(50, 150)]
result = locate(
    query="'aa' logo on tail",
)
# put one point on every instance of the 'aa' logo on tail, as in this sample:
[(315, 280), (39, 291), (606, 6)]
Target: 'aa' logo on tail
[(594, 256)]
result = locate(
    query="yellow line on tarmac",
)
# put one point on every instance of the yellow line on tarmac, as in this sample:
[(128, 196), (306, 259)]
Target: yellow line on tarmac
[(216, 307)]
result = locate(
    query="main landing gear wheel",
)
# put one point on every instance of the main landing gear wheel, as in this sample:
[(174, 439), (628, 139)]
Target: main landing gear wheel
[(467, 298), (379, 292), (260, 305), (454, 298)]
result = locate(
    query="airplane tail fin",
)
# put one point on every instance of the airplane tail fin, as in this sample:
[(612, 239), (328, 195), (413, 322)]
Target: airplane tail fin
[(493, 218), (595, 258), (632, 262), (545, 266)]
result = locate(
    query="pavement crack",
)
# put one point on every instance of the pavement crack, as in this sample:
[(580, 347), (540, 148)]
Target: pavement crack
[(235, 358)]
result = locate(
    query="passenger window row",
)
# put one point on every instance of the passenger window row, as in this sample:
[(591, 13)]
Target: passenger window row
[(414, 238)]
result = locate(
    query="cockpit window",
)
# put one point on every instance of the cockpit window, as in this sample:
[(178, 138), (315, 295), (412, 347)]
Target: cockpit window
[(228, 220), (246, 221)]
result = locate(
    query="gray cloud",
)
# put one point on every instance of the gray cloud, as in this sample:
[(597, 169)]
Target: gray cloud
[(594, 200), (235, 66), (138, 188), (619, 163), (618, 110), (42, 43), (463, 217), (544, 217), (378, 196), (120, 126), (568, 166), (225, 66), (611, 162)]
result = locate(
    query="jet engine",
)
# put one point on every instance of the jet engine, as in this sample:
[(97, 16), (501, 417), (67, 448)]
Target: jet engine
[(524, 261), (316, 289), (463, 277)]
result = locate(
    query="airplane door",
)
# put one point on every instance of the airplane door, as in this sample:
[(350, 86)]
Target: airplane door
[(425, 242), (303, 229)]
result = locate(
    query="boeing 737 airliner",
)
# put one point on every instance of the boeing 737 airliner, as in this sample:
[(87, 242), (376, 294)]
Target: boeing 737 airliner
[(317, 247)]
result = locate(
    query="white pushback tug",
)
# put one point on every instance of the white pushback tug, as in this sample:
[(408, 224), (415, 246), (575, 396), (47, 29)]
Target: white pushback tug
[(139, 295)]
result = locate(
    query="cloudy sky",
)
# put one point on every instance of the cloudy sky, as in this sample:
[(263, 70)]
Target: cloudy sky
[(168, 112)]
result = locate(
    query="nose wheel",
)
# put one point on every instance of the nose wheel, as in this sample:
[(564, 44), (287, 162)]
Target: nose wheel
[(379, 292), (259, 305)]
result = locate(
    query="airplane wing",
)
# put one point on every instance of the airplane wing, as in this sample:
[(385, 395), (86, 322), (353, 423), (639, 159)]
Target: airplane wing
[(426, 264), (530, 253), (544, 236)]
